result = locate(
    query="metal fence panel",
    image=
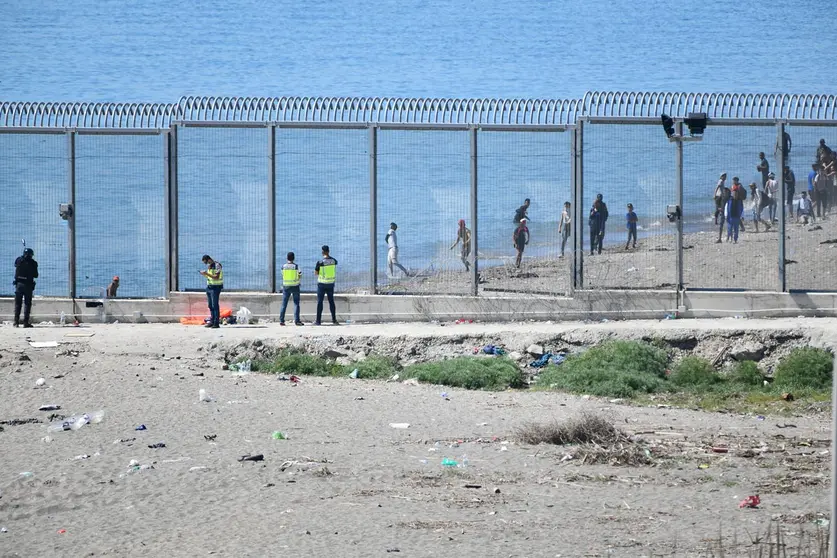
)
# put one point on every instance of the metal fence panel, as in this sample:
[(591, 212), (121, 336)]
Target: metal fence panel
[(322, 197), (423, 187), (751, 263), (120, 215), (514, 166), (33, 181), (633, 163), (811, 248), (223, 205)]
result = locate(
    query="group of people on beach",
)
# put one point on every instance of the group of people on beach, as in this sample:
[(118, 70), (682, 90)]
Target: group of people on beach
[(814, 203)]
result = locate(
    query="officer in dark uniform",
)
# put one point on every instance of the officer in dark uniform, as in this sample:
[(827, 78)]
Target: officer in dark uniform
[(26, 271)]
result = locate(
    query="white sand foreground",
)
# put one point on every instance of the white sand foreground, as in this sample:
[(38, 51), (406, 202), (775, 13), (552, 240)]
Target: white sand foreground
[(345, 483)]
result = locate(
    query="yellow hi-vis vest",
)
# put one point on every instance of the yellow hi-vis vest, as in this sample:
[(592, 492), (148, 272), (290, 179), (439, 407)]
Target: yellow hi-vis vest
[(218, 278), (290, 275), (327, 271)]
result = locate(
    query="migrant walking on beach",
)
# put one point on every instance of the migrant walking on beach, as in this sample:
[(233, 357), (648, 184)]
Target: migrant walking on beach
[(520, 238), (392, 252), (463, 236), (597, 220), (631, 219), (734, 211), (719, 197), (758, 202), (565, 227)]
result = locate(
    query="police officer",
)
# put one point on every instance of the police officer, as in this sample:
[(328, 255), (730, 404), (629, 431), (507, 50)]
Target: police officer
[(291, 276), (26, 271), (214, 274), (326, 269)]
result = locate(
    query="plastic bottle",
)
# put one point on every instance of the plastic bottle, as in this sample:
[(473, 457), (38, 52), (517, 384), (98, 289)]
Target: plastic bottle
[(203, 397), (76, 422), (464, 462), (63, 319), (447, 462), (279, 435)]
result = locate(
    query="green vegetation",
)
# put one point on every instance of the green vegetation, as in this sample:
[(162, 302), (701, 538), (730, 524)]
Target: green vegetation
[(805, 367), (625, 369), (694, 372), (611, 369), (469, 373)]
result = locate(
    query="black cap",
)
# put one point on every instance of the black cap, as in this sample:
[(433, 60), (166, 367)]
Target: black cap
[(325, 248)]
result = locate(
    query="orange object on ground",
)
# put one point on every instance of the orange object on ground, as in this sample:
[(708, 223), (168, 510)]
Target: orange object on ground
[(197, 320)]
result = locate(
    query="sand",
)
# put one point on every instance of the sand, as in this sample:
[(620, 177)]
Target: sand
[(345, 483), (751, 264)]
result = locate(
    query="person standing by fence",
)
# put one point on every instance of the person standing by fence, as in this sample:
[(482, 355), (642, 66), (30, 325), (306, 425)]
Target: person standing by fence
[(719, 198), (631, 219), (596, 221), (763, 167), (821, 192), (565, 227), (26, 271), (291, 278), (214, 274), (463, 235), (772, 189), (790, 189), (326, 270), (725, 195), (735, 208)]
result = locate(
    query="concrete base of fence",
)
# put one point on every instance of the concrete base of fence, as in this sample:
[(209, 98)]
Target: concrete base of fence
[(592, 305)]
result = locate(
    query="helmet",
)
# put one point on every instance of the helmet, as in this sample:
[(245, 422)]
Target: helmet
[(29, 252)]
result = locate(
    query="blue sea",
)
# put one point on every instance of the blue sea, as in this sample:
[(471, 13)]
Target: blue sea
[(158, 51)]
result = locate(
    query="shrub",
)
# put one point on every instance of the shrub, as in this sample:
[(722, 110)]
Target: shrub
[(611, 369), (746, 373), (694, 371), (291, 361), (585, 429), (374, 367), (805, 367), (469, 373)]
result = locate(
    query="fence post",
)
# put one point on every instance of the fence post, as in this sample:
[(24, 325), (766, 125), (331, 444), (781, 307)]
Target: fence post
[(573, 155), (780, 144), (71, 220), (173, 212), (271, 206), (578, 214), (678, 165), (167, 198), (373, 208), (475, 283)]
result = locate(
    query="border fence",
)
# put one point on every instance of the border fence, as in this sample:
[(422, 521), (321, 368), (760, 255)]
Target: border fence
[(152, 187)]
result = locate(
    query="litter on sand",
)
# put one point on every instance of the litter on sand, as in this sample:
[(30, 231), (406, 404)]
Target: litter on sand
[(750, 502), (43, 344), (81, 334)]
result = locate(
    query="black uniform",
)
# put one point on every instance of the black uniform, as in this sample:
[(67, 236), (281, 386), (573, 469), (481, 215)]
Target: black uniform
[(26, 271)]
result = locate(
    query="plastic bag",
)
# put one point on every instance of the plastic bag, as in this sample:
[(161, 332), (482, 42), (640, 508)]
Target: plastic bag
[(243, 316)]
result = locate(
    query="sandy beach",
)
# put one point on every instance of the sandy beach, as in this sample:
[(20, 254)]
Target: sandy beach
[(345, 482)]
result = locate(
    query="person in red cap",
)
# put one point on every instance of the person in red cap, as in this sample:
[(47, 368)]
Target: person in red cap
[(111, 292), (463, 234)]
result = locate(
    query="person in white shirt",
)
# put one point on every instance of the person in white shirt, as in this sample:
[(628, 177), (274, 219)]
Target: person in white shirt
[(772, 188), (805, 211), (757, 203), (392, 253), (564, 227), (719, 195)]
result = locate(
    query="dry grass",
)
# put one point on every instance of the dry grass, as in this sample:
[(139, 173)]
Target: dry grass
[(587, 428), (774, 544)]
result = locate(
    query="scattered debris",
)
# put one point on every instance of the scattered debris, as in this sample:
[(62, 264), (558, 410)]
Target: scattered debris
[(210, 437), (399, 425), (158, 445), (141, 427), (257, 457), (43, 344), (49, 407), (750, 502)]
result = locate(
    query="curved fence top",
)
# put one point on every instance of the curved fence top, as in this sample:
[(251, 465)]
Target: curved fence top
[(397, 110), (715, 105), (86, 115), (380, 110)]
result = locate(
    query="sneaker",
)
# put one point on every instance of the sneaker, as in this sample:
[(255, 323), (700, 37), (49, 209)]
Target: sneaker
[(299, 323), (215, 326), (281, 323), (718, 241), (28, 325), (207, 325), (16, 324), (317, 323), (335, 322)]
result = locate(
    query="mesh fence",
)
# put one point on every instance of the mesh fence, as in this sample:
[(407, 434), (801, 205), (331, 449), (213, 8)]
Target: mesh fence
[(628, 164), (712, 259), (120, 215), (513, 167), (33, 181), (223, 205), (322, 197), (424, 188), (811, 244)]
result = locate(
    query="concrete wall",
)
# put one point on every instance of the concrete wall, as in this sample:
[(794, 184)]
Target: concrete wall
[(595, 305)]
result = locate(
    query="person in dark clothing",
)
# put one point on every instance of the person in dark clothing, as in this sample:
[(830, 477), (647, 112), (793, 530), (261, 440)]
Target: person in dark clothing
[(26, 271), (521, 212), (786, 146), (113, 287), (790, 189), (822, 151), (520, 238), (326, 270), (631, 220), (597, 220), (726, 193), (764, 168), (734, 211)]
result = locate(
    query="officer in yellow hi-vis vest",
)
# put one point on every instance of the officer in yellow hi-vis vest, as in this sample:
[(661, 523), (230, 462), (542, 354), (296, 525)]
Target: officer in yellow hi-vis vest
[(291, 278), (326, 270), (214, 285)]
